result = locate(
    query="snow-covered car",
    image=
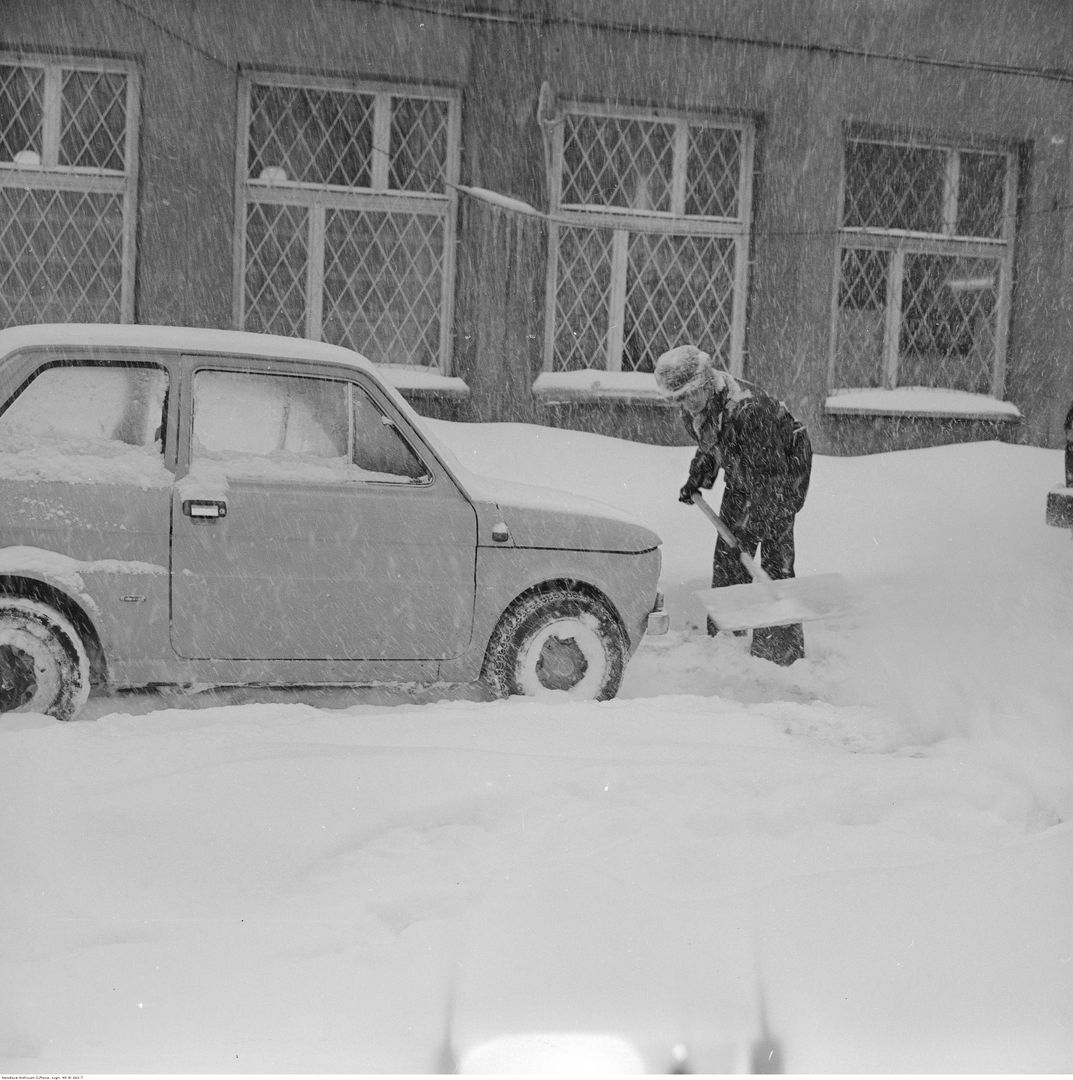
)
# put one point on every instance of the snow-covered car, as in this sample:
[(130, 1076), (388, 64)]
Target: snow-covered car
[(204, 507), (1060, 499)]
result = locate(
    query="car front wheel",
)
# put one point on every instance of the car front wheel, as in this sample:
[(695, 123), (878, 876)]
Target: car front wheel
[(43, 663), (559, 640)]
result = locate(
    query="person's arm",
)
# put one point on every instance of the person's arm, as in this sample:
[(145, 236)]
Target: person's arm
[(703, 470)]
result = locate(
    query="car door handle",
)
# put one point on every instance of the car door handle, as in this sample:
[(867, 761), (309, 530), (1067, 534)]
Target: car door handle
[(204, 509)]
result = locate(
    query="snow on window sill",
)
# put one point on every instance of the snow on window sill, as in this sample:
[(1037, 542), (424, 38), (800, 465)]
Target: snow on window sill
[(920, 401), (596, 384), (410, 378), (504, 202)]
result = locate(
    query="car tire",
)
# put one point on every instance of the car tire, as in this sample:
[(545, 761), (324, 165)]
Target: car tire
[(44, 667), (557, 640)]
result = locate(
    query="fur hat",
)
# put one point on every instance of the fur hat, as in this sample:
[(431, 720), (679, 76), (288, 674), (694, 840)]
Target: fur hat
[(686, 368), (682, 370)]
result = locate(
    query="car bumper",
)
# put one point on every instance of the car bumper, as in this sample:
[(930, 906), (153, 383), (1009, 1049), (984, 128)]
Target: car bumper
[(1060, 507), (659, 619)]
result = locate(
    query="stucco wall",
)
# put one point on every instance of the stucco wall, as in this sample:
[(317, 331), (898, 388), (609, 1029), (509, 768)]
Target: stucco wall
[(992, 68), (802, 99)]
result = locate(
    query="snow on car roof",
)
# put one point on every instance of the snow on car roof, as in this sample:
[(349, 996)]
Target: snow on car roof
[(186, 338)]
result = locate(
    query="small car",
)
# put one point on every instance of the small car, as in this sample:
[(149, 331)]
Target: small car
[(1060, 499), (209, 507)]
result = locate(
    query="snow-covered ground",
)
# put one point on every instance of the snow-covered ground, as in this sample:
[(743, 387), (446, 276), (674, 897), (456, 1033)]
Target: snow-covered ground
[(868, 855)]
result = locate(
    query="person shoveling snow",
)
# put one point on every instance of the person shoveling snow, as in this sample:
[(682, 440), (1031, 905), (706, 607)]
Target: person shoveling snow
[(766, 458)]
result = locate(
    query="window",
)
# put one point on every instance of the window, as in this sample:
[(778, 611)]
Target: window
[(111, 404), (68, 162), (346, 211), (88, 423), (299, 428), (925, 264), (650, 243)]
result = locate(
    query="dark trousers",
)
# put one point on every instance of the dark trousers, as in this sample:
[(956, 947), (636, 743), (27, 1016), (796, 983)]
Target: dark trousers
[(771, 529)]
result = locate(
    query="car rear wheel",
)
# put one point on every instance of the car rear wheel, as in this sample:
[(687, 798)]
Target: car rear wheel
[(559, 640), (44, 667)]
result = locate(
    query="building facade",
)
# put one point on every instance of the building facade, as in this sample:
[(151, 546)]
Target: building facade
[(516, 205)]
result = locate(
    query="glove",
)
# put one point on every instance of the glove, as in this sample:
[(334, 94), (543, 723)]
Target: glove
[(689, 489)]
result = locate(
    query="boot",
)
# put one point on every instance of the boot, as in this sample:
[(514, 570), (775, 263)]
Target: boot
[(782, 645)]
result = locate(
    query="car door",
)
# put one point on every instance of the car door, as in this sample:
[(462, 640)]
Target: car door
[(310, 527)]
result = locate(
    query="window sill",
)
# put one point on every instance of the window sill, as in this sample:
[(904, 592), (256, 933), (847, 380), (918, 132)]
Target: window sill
[(422, 381), (921, 401), (595, 384)]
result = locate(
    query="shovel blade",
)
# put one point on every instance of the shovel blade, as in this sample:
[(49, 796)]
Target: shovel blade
[(777, 603)]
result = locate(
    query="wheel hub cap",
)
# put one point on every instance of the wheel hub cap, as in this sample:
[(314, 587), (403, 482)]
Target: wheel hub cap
[(562, 664), (18, 679)]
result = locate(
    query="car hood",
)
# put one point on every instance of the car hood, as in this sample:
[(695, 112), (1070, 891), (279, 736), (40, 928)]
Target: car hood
[(548, 518)]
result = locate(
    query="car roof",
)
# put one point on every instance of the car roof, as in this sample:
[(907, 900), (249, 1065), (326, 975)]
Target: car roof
[(177, 339)]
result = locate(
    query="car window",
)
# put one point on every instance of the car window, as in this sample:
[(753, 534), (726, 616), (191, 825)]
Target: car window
[(379, 449), (88, 423), (90, 403), (296, 427)]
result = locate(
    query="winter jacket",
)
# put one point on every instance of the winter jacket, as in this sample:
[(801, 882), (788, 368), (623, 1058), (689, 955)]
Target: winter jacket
[(765, 453)]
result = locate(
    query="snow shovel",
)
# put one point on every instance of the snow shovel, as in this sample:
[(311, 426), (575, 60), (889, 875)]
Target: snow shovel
[(767, 602)]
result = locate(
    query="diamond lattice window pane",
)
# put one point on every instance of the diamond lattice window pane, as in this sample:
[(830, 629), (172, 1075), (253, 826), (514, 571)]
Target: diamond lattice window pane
[(981, 194), (21, 110), (713, 170), (418, 145), (276, 260), (61, 256), (316, 136), (862, 305), (948, 322), (615, 161), (582, 299), (863, 282), (383, 284), (894, 187), (93, 122), (679, 289)]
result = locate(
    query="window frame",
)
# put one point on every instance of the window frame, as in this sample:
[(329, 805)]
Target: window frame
[(899, 243), (317, 198), (624, 222), (51, 176)]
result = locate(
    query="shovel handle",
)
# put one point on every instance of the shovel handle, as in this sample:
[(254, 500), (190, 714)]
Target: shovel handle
[(756, 572), (715, 519)]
